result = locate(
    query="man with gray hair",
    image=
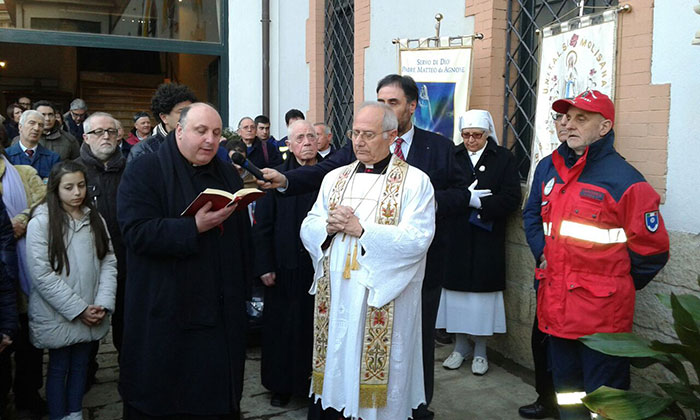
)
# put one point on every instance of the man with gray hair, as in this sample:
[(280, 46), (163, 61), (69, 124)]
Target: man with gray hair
[(284, 267), (73, 119), (28, 151), (261, 153), (105, 164), (324, 136), (368, 235)]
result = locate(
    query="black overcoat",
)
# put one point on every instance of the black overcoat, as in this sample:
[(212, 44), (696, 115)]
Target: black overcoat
[(102, 184), (287, 342), (184, 320), (476, 260)]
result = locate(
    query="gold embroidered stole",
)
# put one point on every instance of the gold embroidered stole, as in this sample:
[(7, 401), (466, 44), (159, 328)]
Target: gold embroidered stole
[(376, 348), (322, 300)]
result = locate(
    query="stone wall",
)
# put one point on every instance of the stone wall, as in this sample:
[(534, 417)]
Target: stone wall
[(652, 319)]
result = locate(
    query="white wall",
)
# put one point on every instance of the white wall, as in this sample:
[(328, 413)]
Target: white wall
[(289, 72), (245, 60), (676, 61), (387, 21)]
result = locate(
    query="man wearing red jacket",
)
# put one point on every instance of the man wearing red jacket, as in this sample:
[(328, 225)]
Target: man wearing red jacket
[(604, 238)]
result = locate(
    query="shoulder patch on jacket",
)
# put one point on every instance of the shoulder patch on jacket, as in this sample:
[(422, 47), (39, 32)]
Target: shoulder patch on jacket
[(651, 220)]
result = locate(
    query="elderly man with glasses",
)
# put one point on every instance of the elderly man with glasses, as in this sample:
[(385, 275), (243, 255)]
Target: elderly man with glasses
[(102, 157), (28, 151), (261, 153), (73, 119), (24, 102)]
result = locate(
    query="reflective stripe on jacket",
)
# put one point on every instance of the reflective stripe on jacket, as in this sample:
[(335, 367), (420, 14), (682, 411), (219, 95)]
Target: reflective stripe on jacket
[(603, 235)]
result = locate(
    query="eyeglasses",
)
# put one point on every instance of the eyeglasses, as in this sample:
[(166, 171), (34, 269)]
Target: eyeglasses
[(365, 135), (99, 132), (25, 103), (557, 116), (477, 136)]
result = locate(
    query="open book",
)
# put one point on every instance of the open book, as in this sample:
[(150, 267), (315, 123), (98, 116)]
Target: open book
[(220, 199)]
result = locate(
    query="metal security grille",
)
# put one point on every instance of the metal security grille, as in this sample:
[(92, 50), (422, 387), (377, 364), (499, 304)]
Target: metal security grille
[(524, 17), (339, 51)]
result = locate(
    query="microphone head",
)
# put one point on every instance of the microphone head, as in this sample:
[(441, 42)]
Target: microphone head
[(238, 158)]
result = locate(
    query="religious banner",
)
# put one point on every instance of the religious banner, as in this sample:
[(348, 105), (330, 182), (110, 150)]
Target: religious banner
[(443, 75), (575, 56)]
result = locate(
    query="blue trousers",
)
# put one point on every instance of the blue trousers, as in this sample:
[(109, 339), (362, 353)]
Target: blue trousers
[(577, 368), (65, 379)]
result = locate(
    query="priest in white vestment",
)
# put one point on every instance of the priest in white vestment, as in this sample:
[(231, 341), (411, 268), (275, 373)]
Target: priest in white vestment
[(368, 234)]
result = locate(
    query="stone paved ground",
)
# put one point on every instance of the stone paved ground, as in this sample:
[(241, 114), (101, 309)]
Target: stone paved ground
[(459, 395)]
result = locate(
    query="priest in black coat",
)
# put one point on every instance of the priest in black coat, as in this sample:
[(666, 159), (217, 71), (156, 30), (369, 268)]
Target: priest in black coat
[(184, 321), (285, 268)]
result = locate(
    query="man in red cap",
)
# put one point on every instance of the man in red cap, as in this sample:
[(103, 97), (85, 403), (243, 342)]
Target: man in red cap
[(604, 239)]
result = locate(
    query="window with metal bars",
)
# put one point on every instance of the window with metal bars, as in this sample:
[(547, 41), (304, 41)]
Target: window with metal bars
[(524, 18), (339, 52)]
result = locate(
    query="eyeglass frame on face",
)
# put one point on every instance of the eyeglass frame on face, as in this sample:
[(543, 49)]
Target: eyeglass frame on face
[(364, 135), (83, 115), (99, 132), (557, 116), (477, 136), (27, 104)]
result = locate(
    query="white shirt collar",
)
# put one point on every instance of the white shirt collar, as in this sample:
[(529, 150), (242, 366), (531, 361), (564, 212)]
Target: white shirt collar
[(407, 140), (475, 156), (408, 136), (24, 149), (325, 153)]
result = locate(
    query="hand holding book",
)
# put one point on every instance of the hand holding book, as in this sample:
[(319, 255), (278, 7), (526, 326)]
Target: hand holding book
[(220, 199), (212, 207)]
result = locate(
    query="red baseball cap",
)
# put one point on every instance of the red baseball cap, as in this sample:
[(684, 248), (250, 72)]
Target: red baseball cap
[(590, 100)]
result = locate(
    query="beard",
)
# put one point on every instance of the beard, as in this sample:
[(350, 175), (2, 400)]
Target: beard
[(104, 152)]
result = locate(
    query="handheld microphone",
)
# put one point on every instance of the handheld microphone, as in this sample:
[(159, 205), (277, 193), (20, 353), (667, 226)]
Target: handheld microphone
[(240, 160)]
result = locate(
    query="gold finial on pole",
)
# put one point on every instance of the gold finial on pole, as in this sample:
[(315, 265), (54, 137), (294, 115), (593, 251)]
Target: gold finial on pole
[(438, 17)]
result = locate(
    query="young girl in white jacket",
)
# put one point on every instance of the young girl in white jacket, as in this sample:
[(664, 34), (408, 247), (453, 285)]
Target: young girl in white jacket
[(74, 274)]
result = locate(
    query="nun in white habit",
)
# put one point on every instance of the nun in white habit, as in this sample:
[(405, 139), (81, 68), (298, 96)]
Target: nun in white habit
[(471, 304)]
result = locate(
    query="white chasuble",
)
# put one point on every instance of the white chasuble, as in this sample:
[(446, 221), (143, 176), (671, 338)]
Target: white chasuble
[(389, 264)]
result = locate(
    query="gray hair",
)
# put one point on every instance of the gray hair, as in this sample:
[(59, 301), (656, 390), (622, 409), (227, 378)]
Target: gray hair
[(243, 119), (389, 121), (326, 129), (28, 113), (87, 125), (78, 104), (296, 124)]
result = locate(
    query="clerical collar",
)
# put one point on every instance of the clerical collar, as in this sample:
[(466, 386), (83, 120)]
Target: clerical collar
[(376, 168)]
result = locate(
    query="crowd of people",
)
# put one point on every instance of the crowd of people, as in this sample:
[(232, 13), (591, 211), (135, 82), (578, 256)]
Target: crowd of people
[(362, 249)]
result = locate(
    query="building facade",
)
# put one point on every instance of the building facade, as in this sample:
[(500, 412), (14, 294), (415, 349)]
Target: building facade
[(655, 97)]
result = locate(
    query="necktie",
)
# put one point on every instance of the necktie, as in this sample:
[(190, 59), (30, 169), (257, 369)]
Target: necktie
[(29, 153), (397, 148)]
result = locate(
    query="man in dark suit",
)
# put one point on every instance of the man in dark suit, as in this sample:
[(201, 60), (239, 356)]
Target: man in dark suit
[(429, 152)]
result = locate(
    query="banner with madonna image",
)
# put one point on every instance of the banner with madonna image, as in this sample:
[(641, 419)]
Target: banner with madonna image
[(441, 68), (575, 56)]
